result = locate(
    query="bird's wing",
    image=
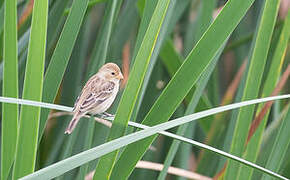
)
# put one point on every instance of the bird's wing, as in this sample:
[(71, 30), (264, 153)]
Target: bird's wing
[(94, 93)]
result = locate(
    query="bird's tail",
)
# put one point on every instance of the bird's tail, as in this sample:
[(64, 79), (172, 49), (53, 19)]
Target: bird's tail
[(72, 123)]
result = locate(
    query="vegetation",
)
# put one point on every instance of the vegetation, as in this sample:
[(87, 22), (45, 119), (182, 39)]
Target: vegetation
[(186, 63)]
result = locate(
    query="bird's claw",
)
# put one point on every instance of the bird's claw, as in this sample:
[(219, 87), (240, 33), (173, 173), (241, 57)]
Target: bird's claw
[(105, 115)]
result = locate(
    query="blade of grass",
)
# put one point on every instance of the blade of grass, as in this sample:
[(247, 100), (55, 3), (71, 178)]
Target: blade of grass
[(61, 55), (54, 21), (189, 39), (35, 103), (1, 30), (22, 46), (233, 118), (86, 156), (170, 21), (260, 47), (186, 77), (125, 25), (100, 50), (88, 143), (204, 17), (253, 146), (70, 90), (91, 4), (280, 147), (10, 89), (145, 9), (268, 141), (172, 61), (218, 125), (202, 82), (167, 27), (29, 116), (147, 14), (128, 100), (170, 58)]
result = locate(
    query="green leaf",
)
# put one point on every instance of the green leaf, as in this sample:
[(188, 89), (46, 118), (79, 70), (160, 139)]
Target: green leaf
[(29, 116), (100, 50), (128, 100), (202, 82), (1, 30), (192, 68), (173, 14), (70, 91), (273, 74), (87, 145), (170, 58), (86, 156), (258, 58), (280, 147), (10, 89), (55, 18), (61, 55)]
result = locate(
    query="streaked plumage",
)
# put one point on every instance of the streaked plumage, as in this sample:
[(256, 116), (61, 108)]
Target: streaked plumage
[(98, 94)]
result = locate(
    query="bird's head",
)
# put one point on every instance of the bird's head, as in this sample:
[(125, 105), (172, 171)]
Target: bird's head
[(111, 71)]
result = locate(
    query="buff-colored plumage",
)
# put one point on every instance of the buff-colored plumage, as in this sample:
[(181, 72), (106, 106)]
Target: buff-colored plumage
[(98, 94)]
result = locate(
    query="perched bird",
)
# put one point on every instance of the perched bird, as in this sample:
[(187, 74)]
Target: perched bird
[(98, 94)]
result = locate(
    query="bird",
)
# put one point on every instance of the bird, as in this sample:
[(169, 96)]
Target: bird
[(98, 94)]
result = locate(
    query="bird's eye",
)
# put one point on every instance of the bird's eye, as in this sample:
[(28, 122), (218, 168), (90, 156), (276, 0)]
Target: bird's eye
[(113, 73)]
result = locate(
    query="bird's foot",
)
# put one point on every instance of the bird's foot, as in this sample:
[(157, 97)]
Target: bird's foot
[(105, 115)]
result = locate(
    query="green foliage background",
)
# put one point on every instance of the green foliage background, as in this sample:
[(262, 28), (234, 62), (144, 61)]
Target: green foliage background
[(178, 57)]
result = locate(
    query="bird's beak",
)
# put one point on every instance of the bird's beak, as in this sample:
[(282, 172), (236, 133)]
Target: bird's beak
[(120, 76)]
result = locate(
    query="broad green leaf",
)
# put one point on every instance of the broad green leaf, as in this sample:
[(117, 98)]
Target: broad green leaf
[(258, 58), (29, 116), (191, 70), (10, 89), (128, 100), (86, 156), (61, 55), (253, 146)]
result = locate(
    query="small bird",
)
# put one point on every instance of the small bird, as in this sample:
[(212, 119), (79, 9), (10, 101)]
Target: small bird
[(98, 94)]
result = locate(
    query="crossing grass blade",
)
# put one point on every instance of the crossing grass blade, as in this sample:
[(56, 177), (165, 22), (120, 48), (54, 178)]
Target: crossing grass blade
[(29, 116), (86, 156), (192, 68), (260, 47), (61, 55), (10, 89), (253, 146), (128, 100)]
